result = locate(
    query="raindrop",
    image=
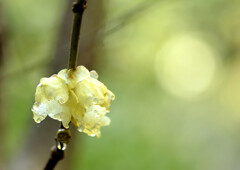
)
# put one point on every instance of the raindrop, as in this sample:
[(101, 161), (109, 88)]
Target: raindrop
[(61, 146)]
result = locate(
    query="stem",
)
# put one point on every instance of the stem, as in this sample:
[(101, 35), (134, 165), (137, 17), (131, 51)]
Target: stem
[(78, 9), (56, 155), (57, 151)]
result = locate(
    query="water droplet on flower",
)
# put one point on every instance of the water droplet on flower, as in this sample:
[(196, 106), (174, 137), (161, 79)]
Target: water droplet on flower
[(61, 146), (81, 129), (37, 120), (94, 74), (64, 147)]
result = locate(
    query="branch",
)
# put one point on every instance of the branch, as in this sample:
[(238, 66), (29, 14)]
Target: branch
[(78, 9), (57, 151), (56, 155)]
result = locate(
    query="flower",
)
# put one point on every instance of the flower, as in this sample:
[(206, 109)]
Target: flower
[(74, 96)]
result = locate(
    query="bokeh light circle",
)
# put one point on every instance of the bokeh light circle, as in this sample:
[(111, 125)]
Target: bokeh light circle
[(185, 66)]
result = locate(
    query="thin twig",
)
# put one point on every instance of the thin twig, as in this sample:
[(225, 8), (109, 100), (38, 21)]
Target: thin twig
[(63, 135), (57, 151), (78, 9), (56, 155)]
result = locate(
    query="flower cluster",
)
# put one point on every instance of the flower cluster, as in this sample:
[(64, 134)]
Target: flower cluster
[(74, 96)]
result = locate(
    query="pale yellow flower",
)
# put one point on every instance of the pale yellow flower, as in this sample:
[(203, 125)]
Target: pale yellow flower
[(74, 96)]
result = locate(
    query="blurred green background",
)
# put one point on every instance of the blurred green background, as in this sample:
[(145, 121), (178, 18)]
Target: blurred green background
[(174, 66)]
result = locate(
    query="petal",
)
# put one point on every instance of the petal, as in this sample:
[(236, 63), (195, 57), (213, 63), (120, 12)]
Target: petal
[(74, 76), (52, 88), (54, 110), (89, 92), (63, 74), (93, 120), (75, 109), (66, 118), (109, 97), (80, 73), (39, 112), (68, 109)]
